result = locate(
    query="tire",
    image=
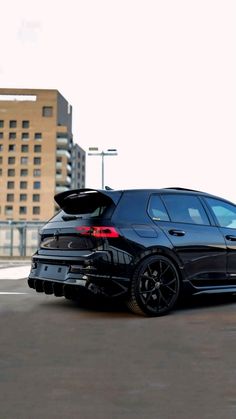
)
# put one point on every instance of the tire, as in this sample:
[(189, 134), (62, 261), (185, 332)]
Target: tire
[(155, 287)]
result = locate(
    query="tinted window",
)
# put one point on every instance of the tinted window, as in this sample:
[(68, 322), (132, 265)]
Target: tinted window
[(156, 209), (225, 213), (185, 209)]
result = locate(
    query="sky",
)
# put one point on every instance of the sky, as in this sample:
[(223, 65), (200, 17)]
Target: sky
[(154, 79)]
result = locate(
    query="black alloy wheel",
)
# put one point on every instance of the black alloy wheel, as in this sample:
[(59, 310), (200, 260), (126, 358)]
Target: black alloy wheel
[(155, 287)]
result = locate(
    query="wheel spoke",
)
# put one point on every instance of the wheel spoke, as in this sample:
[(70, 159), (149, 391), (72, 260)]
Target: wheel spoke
[(148, 298), (170, 282), (171, 289), (163, 298), (150, 278), (163, 273), (160, 264), (149, 271), (147, 291)]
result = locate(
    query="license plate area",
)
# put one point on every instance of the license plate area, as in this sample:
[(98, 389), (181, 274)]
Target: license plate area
[(56, 272)]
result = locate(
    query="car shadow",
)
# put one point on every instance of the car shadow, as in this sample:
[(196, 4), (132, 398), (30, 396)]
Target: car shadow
[(91, 306), (118, 309), (195, 302)]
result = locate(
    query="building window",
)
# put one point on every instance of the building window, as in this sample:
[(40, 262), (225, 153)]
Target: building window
[(23, 210), (8, 210), (37, 185), (36, 197), (24, 160), (1, 134), (23, 197), (37, 160), (47, 111), (10, 185), (12, 135), (11, 172), (0, 171), (25, 136), (25, 124), (23, 185), (12, 124), (24, 148), (37, 172), (37, 135), (37, 148), (1, 123), (11, 160), (24, 172), (1, 147), (36, 210), (11, 147), (10, 197), (0, 159)]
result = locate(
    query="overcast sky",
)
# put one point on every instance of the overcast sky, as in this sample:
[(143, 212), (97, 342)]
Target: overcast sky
[(153, 78)]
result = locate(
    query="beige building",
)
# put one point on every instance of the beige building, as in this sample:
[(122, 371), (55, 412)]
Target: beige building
[(37, 155)]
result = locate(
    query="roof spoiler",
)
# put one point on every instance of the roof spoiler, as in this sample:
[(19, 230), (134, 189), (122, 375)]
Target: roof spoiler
[(60, 197)]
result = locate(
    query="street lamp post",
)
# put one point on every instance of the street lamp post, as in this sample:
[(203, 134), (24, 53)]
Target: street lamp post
[(93, 151)]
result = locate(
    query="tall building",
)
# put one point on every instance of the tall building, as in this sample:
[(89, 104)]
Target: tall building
[(38, 157), (78, 167)]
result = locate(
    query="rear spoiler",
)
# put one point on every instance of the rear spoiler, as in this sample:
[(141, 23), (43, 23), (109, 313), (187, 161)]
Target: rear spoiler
[(62, 196)]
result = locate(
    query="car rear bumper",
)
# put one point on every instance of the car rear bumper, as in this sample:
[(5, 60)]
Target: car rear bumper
[(77, 274)]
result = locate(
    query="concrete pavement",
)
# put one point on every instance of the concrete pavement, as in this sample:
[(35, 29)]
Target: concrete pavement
[(14, 272)]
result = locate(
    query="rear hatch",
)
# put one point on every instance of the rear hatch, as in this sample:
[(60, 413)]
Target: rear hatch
[(83, 223)]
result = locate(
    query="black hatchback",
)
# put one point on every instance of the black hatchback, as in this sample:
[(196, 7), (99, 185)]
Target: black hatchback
[(146, 247)]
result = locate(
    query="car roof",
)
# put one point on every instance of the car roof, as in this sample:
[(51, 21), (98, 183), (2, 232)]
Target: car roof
[(176, 190), (160, 190)]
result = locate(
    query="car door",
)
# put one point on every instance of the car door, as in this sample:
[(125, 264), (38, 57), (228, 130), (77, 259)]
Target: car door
[(199, 244), (225, 215)]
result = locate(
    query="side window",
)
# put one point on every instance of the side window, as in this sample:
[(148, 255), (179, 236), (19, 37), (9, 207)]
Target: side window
[(156, 209), (185, 209), (225, 213)]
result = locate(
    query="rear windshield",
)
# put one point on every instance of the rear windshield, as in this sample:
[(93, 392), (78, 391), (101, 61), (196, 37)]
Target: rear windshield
[(91, 205)]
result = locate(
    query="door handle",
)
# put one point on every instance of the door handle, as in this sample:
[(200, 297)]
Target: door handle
[(178, 233), (231, 238)]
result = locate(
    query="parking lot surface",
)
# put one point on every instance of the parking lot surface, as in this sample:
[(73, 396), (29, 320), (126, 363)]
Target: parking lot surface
[(60, 360)]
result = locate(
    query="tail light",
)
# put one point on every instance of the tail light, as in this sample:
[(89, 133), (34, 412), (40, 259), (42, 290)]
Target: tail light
[(98, 232)]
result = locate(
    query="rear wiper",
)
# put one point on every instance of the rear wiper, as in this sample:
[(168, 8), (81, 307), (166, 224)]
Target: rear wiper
[(70, 217)]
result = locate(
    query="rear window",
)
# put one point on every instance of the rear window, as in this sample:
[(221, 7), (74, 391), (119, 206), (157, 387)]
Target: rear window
[(91, 205)]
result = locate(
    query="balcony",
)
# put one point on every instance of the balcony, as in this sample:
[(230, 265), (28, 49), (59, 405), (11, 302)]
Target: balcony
[(63, 143), (69, 169), (59, 165), (60, 179), (61, 152), (61, 188)]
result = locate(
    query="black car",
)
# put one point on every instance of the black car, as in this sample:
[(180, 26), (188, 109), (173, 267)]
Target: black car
[(146, 247)]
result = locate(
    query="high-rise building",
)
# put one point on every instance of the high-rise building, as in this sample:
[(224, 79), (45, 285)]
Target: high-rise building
[(38, 157)]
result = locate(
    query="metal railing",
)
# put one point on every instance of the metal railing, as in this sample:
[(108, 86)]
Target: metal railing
[(19, 238)]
